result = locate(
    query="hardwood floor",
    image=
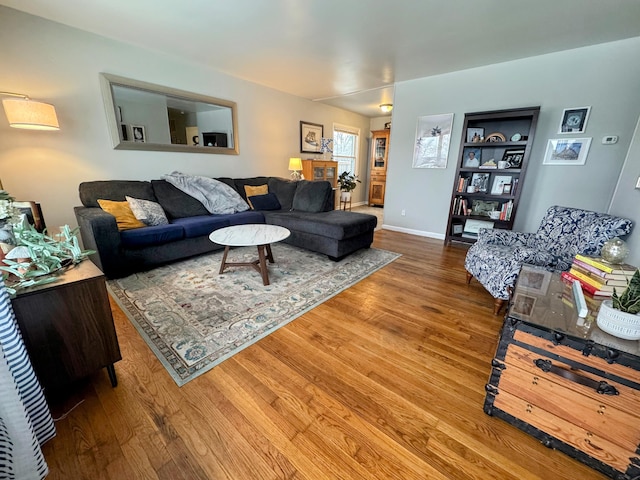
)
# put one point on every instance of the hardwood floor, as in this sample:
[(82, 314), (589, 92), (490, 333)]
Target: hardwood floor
[(384, 381)]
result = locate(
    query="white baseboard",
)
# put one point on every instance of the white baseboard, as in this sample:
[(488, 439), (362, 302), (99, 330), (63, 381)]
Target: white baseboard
[(420, 233)]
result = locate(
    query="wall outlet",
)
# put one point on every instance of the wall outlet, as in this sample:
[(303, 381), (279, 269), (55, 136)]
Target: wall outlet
[(403, 212)]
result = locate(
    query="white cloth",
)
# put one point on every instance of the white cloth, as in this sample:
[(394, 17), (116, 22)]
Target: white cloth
[(25, 420), (217, 197)]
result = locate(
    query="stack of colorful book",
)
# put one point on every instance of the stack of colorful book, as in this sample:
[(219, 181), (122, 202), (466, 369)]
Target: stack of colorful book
[(598, 277)]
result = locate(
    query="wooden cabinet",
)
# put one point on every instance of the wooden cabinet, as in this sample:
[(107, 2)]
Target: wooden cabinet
[(378, 161), (561, 379), (321, 170), (492, 163), (67, 327)]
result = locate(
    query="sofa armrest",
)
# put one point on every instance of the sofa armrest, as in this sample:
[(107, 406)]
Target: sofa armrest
[(495, 236), (99, 232)]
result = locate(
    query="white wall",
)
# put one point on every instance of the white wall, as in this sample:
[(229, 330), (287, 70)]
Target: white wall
[(606, 77), (626, 198), (60, 65)]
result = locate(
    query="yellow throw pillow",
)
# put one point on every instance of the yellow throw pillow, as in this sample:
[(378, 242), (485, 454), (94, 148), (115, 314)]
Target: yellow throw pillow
[(125, 218), (253, 191)]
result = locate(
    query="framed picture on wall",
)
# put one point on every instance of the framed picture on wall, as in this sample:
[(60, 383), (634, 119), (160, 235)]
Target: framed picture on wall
[(310, 137), (571, 151), (574, 120)]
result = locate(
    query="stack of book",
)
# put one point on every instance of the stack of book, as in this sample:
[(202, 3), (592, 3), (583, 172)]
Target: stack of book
[(463, 183), (506, 210), (460, 206), (598, 277)]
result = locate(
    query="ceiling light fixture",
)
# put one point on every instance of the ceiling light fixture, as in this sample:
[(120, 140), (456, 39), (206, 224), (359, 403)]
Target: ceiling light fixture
[(25, 113), (386, 107)]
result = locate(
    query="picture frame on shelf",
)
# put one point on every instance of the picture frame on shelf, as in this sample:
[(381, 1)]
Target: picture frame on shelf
[(506, 189), (499, 181), (475, 135), (570, 151), (481, 208), (471, 157), (433, 137), (514, 157), (138, 134), (574, 120), (480, 181), (310, 137)]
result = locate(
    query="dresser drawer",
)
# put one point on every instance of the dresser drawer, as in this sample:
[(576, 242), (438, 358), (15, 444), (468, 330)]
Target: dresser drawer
[(612, 368), (612, 416), (590, 443)]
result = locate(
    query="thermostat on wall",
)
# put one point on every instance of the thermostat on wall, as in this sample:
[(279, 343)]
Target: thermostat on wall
[(609, 139)]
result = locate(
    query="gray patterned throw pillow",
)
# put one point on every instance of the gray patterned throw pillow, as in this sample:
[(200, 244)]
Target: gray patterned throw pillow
[(148, 212)]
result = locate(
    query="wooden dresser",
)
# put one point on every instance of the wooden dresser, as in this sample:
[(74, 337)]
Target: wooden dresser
[(566, 382)]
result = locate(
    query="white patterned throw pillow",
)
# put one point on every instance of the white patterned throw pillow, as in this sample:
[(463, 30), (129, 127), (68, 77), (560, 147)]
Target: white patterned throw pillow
[(148, 212)]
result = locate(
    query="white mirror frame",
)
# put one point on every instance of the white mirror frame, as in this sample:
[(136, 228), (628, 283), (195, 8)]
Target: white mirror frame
[(107, 81)]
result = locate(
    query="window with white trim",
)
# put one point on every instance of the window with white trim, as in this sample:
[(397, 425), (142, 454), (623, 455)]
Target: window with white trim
[(345, 147)]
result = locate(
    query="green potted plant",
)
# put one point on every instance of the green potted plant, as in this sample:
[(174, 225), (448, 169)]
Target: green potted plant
[(347, 183), (620, 315), (38, 258)]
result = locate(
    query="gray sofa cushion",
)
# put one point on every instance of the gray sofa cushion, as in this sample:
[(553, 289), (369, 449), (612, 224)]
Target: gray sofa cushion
[(115, 190), (284, 189), (336, 224), (312, 196), (175, 202)]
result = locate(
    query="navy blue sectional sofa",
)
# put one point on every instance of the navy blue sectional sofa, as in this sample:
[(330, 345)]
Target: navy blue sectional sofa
[(306, 209)]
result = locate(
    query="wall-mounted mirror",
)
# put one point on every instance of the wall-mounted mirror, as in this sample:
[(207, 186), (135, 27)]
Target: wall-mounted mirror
[(144, 116)]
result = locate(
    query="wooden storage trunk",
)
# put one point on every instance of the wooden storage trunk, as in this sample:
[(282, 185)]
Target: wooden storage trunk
[(576, 392)]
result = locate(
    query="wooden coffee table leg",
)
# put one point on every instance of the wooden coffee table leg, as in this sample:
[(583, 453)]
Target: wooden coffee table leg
[(263, 264), (224, 259), (269, 254)]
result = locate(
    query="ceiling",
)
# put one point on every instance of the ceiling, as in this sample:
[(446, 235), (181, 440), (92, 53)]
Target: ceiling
[(347, 53)]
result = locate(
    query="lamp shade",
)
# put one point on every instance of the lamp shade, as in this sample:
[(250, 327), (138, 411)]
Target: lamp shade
[(31, 115), (295, 163), (386, 107)]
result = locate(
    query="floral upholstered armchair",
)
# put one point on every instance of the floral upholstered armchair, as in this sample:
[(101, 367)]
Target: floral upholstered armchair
[(495, 259)]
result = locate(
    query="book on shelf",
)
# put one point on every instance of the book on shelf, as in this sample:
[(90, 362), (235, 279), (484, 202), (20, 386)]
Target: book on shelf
[(587, 288), (599, 263), (596, 278)]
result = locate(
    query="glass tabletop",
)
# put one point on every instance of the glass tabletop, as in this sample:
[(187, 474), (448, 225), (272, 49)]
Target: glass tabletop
[(544, 299)]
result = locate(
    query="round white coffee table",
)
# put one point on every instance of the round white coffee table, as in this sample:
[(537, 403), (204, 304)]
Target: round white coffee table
[(259, 235)]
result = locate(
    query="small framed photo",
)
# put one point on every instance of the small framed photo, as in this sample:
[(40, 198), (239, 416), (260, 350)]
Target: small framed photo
[(138, 134), (480, 181), (475, 135), (514, 157), (534, 281), (310, 137), (472, 157), (567, 152), (499, 181), (506, 189), (523, 305), (457, 228), (574, 120)]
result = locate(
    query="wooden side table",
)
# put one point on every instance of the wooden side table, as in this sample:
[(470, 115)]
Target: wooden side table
[(67, 327)]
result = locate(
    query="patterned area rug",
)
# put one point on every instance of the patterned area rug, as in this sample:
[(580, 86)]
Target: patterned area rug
[(193, 318)]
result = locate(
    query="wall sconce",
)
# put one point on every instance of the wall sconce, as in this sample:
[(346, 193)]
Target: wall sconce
[(295, 165), (25, 113), (386, 107)]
